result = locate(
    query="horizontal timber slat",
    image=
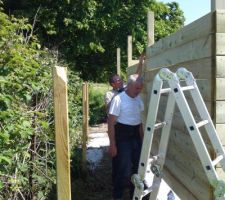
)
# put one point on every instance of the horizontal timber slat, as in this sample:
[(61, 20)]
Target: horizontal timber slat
[(220, 66), (195, 30), (220, 128), (177, 186), (220, 108), (220, 89), (199, 189), (220, 21), (196, 49)]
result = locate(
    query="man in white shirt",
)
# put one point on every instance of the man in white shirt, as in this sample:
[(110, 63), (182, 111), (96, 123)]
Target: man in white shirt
[(125, 133)]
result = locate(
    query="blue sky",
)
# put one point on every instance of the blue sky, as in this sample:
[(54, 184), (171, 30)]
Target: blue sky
[(193, 9)]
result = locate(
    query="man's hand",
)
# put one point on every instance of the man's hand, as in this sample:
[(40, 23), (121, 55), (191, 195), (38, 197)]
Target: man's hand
[(142, 59), (111, 133), (112, 150)]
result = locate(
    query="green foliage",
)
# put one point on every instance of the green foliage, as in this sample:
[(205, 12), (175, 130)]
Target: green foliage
[(97, 110), (27, 152), (87, 32)]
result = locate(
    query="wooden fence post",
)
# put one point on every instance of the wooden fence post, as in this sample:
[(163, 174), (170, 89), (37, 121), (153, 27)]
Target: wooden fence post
[(85, 126), (217, 5), (61, 133), (150, 28), (129, 50), (118, 60)]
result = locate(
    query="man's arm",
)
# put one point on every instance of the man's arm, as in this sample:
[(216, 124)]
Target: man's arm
[(111, 133), (140, 64)]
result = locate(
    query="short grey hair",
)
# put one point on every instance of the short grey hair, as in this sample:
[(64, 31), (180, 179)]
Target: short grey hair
[(135, 78)]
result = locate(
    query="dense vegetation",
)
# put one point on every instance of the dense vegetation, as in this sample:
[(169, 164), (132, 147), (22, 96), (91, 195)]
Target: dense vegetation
[(86, 33), (81, 35)]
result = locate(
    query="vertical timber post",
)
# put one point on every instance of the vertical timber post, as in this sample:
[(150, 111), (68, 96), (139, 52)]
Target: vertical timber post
[(118, 60), (129, 50), (85, 126), (217, 5), (61, 133), (150, 28)]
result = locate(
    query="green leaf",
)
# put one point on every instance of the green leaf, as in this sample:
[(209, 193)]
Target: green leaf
[(5, 159)]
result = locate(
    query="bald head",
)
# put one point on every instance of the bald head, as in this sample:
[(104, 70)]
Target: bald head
[(135, 79), (134, 85)]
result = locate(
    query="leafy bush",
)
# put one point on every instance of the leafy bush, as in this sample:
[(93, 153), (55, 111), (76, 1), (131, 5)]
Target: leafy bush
[(97, 110), (27, 149)]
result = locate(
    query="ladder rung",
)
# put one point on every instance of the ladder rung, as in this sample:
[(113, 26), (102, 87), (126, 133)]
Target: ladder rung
[(190, 87), (160, 125), (217, 160), (202, 123), (165, 90)]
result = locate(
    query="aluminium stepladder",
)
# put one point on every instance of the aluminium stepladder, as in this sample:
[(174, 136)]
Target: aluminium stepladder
[(155, 163)]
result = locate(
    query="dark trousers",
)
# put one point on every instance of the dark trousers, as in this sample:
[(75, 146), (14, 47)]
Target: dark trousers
[(125, 163)]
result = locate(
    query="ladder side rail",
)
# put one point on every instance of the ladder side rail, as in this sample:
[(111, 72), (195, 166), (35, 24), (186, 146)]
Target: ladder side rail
[(204, 114), (148, 133), (193, 131), (150, 126), (163, 145)]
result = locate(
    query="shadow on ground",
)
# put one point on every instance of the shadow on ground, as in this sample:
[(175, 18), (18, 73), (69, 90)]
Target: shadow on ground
[(96, 185)]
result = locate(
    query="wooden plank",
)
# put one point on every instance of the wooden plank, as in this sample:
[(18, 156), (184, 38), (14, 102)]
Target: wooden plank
[(220, 128), (199, 189), (61, 133), (204, 86), (195, 49), (181, 140), (201, 68), (177, 186), (220, 21), (220, 44), (220, 173), (198, 29), (220, 114), (220, 66), (220, 86)]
